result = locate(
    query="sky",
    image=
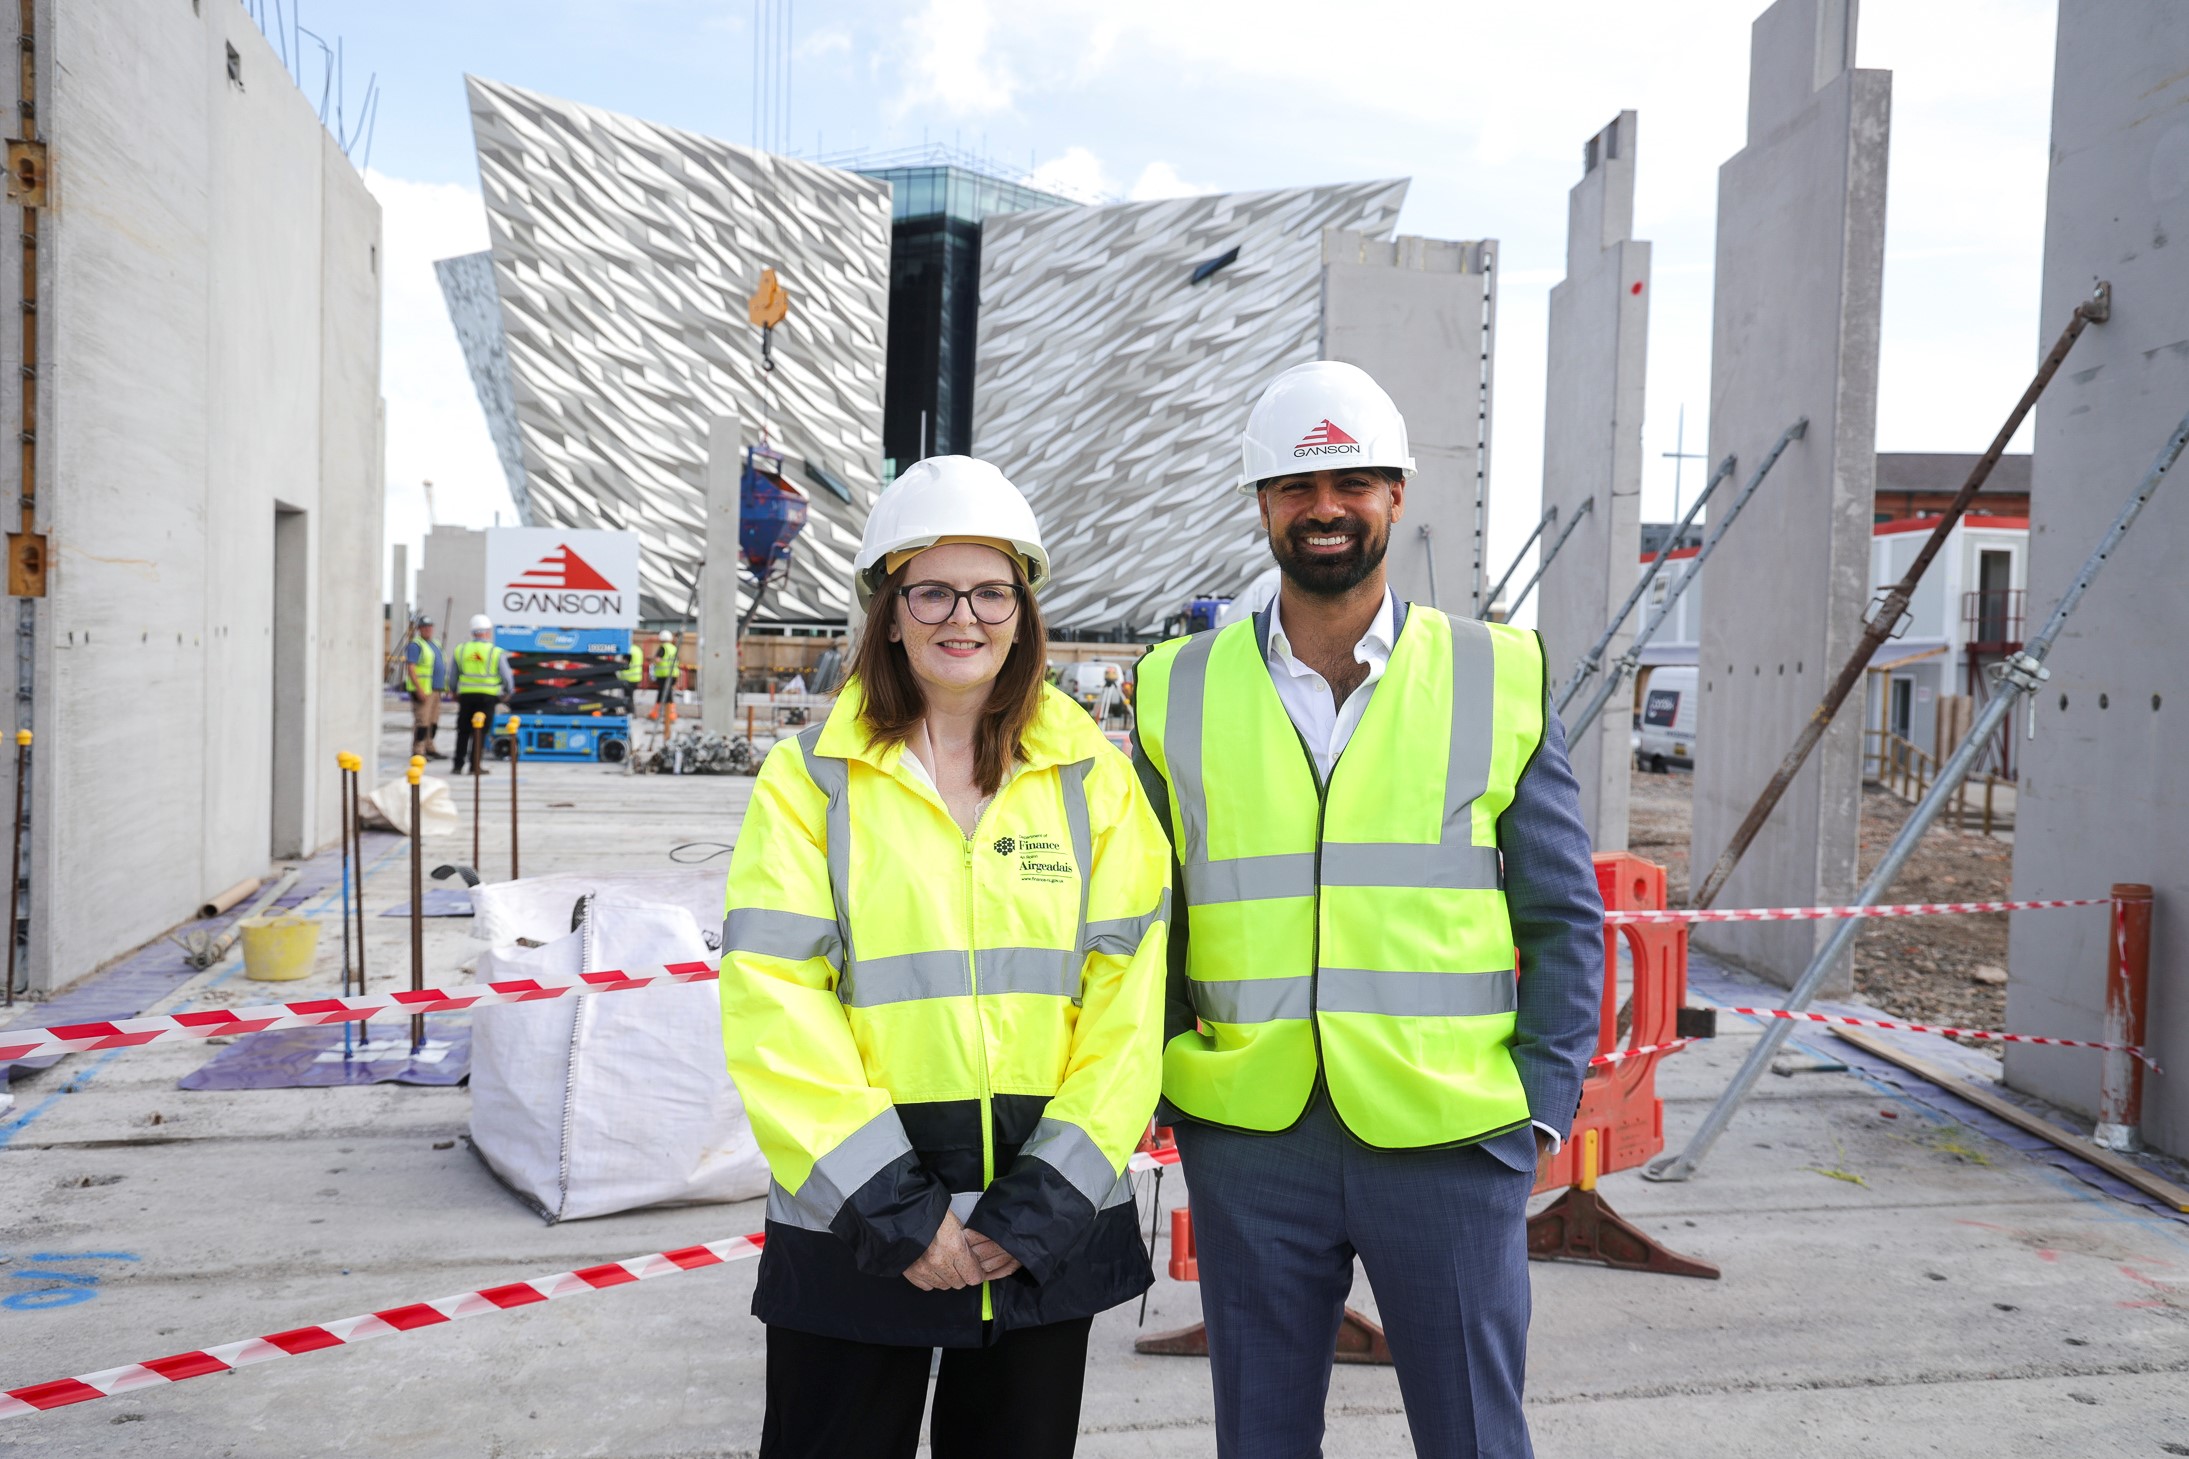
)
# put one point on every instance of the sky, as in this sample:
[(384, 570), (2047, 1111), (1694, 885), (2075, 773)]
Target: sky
[(1484, 106)]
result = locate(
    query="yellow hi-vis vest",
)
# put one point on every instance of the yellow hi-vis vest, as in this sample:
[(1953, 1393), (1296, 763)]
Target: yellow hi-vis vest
[(1357, 929), (1001, 992), (635, 669), (665, 661), (478, 667), (421, 673)]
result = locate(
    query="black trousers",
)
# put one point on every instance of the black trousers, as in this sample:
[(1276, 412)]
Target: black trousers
[(466, 706), (829, 1398)]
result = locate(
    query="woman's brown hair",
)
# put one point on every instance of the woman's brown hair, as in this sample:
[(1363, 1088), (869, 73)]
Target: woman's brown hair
[(894, 702)]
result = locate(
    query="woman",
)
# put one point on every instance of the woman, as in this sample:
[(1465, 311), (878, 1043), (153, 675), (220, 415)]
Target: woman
[(942, 982)]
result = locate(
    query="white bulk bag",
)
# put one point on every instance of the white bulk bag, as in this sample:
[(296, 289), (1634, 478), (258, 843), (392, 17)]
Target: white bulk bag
[(588, 1106)]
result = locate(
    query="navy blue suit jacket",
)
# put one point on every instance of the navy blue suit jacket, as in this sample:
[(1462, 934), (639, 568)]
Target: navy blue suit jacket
[(1557, 919)]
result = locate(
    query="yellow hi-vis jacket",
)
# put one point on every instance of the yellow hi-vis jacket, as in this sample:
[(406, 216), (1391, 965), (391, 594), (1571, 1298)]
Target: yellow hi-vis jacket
[(1357, 931), (921, 1021), (635, 669), (665, 661)]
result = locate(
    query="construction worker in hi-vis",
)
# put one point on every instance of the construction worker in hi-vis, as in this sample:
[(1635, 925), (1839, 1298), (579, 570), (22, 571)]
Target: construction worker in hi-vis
[(664, 670), (942, 985), (483, 680), (1370, 810)]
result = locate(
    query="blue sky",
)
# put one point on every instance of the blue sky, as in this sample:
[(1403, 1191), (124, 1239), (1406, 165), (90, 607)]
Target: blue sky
[(1484, 106)]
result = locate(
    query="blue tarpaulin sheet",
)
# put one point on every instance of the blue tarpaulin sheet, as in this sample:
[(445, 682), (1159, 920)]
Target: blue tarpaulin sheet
[(379, 1052)]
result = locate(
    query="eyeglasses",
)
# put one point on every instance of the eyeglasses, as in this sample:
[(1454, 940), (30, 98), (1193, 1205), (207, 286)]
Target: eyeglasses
[(933, 603)]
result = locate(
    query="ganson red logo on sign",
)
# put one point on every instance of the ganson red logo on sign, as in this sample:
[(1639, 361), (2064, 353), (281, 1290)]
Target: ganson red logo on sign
[(538, 577), (1326, 440)]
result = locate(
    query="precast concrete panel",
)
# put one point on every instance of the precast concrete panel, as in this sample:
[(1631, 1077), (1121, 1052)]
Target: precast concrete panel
[(207, 266), (1800, 265), (2104, 793), (624, 253), (1592, 453), (1112, 388), (475, 308), (1416, 313), (718, 667)]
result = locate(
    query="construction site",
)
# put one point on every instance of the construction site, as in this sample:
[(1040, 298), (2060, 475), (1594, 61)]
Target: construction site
[(367, 965)]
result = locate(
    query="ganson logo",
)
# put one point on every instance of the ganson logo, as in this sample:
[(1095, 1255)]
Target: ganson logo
[(1326, 440), (562, 582)]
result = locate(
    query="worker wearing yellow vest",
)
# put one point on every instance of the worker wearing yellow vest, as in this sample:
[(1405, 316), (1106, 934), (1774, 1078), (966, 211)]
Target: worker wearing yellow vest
[(942, 987), (665, 675), (1371, 810), (483, 679), (425, 676), (633, 671)]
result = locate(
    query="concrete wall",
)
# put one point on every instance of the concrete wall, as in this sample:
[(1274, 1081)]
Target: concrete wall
[(452, 579), (1592, 451), (1419, 314), (2105, 790), (211, 330), (1801, 250)]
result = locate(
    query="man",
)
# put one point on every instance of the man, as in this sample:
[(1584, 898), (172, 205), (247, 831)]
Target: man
[(1370, 809), (483, 680), (633, 673), (664, 673), (426, 676)]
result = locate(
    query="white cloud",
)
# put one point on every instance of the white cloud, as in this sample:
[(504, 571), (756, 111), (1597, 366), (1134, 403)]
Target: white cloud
[(951, 66), (833, 40), (1161, 180), (1078, 173), (435, 429)]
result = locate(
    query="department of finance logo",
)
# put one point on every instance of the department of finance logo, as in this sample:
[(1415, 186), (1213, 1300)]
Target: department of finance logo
[(1040, 858), (1005, 846)]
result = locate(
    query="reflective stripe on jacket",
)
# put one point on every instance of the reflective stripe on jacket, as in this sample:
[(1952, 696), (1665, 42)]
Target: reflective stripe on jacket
[(425, 672), (919, 1020), (1355, 930), (478, 667)]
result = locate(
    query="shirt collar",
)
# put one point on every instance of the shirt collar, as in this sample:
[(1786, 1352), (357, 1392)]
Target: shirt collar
[(1374, 647)]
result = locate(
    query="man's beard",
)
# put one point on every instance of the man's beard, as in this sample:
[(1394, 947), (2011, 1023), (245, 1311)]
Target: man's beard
[(1330, 577)]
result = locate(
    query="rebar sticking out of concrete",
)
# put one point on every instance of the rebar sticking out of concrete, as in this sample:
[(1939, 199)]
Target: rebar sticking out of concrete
[(2017, 676), (15, 861), (1885, 618), (417, 901)]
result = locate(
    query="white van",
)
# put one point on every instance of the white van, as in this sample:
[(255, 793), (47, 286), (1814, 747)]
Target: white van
[(1665, 729)]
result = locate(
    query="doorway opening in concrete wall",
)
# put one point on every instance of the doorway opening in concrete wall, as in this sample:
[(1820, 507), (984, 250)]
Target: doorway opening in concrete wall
[(291, 656)]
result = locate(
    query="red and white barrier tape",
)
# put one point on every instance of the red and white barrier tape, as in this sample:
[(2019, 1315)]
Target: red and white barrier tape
[(1620, 1055), (1961, 1033), (21, 1402), (124, 1033), (61, 1392), (1826, 914)]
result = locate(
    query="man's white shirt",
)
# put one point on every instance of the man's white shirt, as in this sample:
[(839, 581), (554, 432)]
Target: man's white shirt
[(1324, 726)]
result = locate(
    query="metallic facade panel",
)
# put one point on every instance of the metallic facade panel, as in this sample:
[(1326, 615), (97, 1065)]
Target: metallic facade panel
[(1112, 390), (467, 285), (623, 256)]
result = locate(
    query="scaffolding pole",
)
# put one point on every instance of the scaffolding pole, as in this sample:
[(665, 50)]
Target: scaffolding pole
[(1593, 660), (2017, 676), (1550, 515), (1884, 620), (1579, 725)]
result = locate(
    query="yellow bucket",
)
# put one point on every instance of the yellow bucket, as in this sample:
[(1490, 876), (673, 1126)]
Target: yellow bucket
[(279, 949)]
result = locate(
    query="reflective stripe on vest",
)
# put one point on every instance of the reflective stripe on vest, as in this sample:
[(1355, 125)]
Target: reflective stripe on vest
[(478, 668), (941, 972), (1306, 903), (421, 672)]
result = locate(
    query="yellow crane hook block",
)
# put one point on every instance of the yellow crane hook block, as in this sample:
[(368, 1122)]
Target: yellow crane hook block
[(770, 303)]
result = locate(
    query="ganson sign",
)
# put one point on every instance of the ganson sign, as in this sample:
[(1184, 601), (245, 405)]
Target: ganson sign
[(537, 577)]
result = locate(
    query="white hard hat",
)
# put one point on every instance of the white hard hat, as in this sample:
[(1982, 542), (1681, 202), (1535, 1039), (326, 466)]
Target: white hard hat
[(947, 496), (1321, 416), (666, 636), (480, 623)]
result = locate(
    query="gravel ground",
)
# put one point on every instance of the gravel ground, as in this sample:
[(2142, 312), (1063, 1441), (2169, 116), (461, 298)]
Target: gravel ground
[(1949, 970)]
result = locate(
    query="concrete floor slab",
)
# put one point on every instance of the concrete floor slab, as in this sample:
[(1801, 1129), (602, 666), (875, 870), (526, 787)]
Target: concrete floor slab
[(1952, 1297)]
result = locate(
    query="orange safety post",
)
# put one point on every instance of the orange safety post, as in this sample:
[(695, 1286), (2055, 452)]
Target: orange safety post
[(1621, 1123)]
